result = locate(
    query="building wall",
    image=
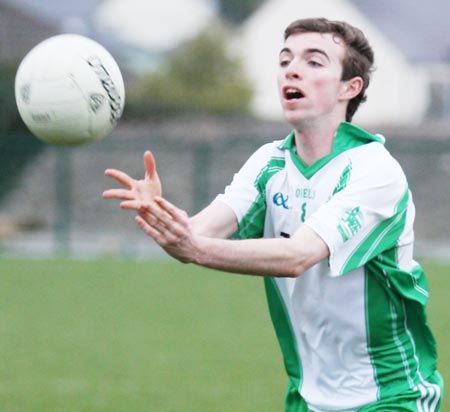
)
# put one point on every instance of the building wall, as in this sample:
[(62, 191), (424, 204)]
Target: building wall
[(58, 195), (398, 94), (19, 32)]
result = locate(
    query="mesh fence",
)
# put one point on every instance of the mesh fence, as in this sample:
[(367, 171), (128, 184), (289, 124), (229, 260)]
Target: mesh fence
[(51, 199)]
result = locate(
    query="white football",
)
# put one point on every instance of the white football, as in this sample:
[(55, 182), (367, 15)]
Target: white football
[(69, 90)]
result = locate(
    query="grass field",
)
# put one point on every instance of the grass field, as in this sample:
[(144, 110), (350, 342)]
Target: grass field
[(148, 336)]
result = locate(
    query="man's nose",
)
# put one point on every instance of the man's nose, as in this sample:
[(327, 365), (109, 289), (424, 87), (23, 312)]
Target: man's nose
[(293, 72)]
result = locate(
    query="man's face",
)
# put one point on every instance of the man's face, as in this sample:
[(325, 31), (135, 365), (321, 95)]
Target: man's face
[(309, 77)]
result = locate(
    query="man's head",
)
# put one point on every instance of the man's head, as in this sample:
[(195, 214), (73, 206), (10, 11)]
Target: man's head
[(359, 57)]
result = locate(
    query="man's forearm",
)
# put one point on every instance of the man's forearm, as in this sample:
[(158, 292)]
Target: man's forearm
[(280, 257), (171, 228), (262, 257)]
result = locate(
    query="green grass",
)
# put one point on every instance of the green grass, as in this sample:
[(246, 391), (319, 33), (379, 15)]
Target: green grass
[(133, 336), (147, 336), (439, 318)]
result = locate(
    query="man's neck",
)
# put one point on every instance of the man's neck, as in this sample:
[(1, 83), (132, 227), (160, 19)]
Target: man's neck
[(314, 143)]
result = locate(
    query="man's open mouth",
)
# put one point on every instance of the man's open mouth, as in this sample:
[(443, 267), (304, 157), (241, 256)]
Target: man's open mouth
[(291, 93)]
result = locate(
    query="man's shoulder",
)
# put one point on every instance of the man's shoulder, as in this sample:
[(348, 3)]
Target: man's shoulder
[(271, 150)]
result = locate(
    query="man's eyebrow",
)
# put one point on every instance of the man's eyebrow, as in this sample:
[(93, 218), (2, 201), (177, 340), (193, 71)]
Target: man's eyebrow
[(307, 51), (320, 51), (285, 50)]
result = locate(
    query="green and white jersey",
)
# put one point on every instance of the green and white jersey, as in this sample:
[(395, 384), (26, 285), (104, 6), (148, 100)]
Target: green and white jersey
[(352, 328)]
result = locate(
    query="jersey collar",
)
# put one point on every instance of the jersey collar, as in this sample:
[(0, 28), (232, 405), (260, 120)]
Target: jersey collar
[(348, 136)]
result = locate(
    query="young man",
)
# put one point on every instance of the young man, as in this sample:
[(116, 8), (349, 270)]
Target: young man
[(326, 216)]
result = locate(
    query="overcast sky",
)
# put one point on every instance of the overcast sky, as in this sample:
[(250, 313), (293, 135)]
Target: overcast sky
[(57, 8), (155, 24), (420, 28)]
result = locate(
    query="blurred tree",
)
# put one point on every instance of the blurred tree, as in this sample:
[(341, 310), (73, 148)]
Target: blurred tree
[(9, 116), (236, 11), (198, 76), (17, 144)]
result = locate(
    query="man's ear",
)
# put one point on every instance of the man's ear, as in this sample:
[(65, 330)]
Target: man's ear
[(351, 88)]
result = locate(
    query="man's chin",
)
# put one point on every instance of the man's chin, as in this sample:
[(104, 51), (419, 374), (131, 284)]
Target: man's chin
[(293, 118)]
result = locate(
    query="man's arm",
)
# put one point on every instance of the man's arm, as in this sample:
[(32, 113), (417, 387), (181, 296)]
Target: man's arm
[(202, 239), (216, 220), (171, 228)]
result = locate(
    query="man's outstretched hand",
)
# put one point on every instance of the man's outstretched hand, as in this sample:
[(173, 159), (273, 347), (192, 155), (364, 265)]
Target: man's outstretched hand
[(136, 192), (170, 227)]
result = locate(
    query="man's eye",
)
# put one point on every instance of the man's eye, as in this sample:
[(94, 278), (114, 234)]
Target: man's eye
[(314, 63), (284, 63)]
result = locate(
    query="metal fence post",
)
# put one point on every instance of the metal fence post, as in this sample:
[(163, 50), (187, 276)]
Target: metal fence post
[(63, 199), (201, 179)]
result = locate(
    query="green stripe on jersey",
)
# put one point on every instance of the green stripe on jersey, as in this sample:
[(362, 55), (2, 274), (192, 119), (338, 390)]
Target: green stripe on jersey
[(288, 343), (400, 343), (252, 224), (389, 346), (383, 237)]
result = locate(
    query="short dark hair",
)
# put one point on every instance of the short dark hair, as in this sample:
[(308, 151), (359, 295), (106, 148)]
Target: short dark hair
[(359, 56)]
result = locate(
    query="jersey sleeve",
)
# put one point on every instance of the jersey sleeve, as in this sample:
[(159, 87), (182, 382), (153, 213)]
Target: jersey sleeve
[(366, 217), (245, 195)]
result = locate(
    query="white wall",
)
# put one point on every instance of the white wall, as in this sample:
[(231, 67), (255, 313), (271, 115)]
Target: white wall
[(397, 95), (154, 24)]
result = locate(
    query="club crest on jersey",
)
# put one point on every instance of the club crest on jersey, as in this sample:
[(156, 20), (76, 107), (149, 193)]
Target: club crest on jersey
[(343, 179), (279, 199), (350, 223)]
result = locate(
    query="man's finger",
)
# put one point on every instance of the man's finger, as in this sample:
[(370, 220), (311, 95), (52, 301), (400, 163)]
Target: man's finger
[(155, 229), (175, 213), (133, 204), (148, 229), (150, 165), (118, 194), (120, 176), (156, 211)]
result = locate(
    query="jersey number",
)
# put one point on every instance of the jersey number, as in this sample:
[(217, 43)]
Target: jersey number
[(302, 216)]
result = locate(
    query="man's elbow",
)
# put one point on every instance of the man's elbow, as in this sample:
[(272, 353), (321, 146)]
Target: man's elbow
[(300, 261), (295, 269)]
